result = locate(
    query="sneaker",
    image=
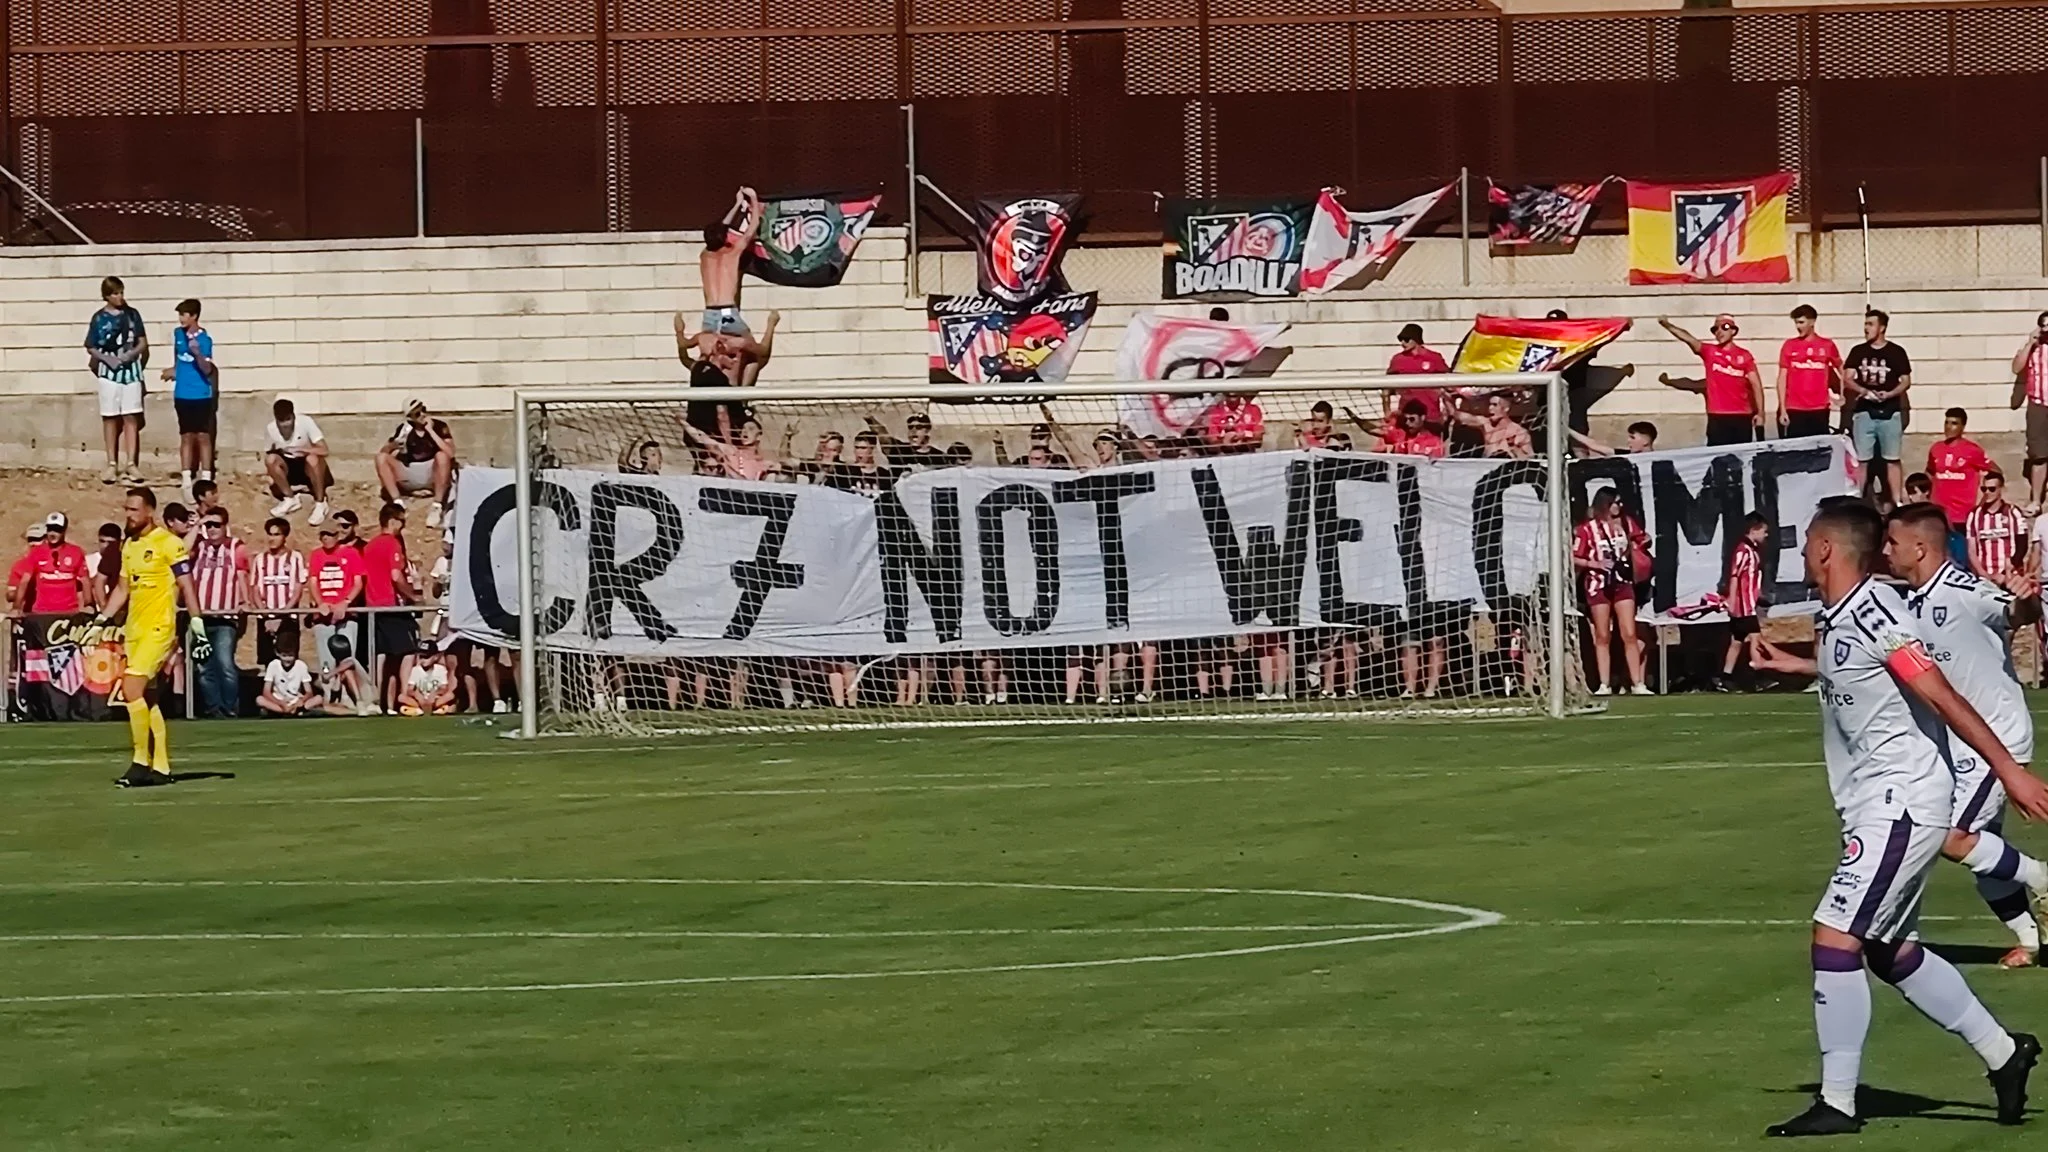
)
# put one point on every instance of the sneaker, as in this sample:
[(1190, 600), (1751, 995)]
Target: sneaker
[(111, 476), (1406, 694), (1142, 698), (2009, 1080), (988, 700), (434, 515), (286, 506), (2021, 957), (1603, 690), (1002, 697), (141, 776), (1644, 690), (1823, 1119), (1327, 694), (1102, 699), (500, 707), (1351, 693), (319, 515)]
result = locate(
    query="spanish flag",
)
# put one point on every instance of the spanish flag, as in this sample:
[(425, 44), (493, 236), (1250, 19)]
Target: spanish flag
[(1505, 344), (1709, 233)]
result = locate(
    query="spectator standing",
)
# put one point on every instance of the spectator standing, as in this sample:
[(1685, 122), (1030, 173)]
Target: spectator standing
[(1997, 532), (220, 574), (1809, 372), (55, 579), (1875, 377), (1411, 436), (1734, 391), (334, 571), (205, 498), (1236, 424), (287, 682), (1955, 467), (1743, 590), (295, 457), (18, 572), (387, 585), (864, 475), (419, 459), (279, 575), (1919, 489), (1609, 550), (195, 393), (1499, 434), (103, 566), (915, 452), (2030, 387), (1417, 359), (1315, 431), (117, 350), (1642, 437), (740, 460)]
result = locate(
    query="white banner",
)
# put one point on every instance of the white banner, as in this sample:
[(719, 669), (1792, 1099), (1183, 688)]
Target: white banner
[(1158, 347), (1693, 503), (979, 558)]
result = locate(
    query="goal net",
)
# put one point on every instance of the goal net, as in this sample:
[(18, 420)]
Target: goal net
[(783, 557)]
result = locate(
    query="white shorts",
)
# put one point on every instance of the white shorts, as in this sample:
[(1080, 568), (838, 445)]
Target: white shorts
[(1979, 797), (1875, 891), (416, 476), (120, 399)]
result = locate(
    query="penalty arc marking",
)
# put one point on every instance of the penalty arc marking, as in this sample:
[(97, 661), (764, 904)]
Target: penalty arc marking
[(1468, 919)]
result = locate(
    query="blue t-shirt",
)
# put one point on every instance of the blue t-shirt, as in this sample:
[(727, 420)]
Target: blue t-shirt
[(190, 383), (116, 334)]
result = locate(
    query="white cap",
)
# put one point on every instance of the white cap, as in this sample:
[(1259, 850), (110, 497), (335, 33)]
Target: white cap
[(55, 522), (35, 531)]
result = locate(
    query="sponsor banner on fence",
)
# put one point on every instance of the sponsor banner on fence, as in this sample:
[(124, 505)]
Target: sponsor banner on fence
[(977, 558), (806, 241), (1693, 502), (68, 667), (1234, 249), (976, 340), (1020, 244)]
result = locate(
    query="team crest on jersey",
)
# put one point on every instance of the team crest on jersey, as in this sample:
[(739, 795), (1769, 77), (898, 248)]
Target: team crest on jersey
[(1841, 651), (1940, 615), (1852, 850)]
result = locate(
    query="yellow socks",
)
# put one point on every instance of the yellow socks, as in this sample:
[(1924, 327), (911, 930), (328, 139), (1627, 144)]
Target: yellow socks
[(160, 758), (138, 730)]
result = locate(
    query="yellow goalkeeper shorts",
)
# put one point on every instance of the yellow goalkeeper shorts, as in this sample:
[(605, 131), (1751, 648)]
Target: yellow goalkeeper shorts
[(148, 649)]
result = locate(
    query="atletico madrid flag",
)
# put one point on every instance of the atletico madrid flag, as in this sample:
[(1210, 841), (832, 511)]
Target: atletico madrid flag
[(1731, 232), (1505, 344)]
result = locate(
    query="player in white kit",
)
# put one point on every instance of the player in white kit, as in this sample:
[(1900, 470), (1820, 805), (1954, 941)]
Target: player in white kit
[(1966, 622), (1886, 715)]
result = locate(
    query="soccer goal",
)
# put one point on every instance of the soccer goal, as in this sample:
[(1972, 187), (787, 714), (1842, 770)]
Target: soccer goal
[(901, 554)]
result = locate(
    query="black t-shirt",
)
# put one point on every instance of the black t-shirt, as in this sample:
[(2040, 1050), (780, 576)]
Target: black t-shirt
[(909, 459), (1875, 370), (869, 482), (414, 445)]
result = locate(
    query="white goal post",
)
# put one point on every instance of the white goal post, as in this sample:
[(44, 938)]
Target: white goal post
[(1147, 574)]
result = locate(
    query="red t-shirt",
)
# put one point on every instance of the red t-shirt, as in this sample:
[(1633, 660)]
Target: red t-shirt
[(1728, 368), (1424, 443), (383, 556), (1422, 361), (1242, 425), (1956, 466), (17, 573), (59, 574), (331, 573), (1809, 363)]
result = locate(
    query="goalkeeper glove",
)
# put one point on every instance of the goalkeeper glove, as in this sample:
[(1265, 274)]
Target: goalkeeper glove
[(202, 648)]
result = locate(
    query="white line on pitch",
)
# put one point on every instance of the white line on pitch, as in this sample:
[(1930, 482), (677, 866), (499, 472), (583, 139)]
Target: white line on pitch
[(683, 934)]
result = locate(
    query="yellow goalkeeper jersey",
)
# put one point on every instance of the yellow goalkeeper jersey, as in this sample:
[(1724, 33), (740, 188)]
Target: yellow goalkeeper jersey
[(152, 563)]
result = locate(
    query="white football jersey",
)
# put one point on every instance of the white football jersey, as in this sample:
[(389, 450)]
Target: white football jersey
[(1887, 753), (1964, 624)]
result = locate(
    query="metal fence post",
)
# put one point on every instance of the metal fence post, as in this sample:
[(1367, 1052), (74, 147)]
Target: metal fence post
[(2044, 216), (912, 275), (419, 174), (1465, 226)]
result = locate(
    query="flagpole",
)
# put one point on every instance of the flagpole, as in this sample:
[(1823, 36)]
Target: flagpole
[(1465, 226), (910, 269), (1863, 215)]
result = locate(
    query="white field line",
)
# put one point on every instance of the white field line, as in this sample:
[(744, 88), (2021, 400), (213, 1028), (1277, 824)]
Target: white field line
[(687, 934), (1471, 918)]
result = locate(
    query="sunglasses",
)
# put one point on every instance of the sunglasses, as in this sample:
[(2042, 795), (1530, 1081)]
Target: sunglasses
[(1724, 328), (214, 525)]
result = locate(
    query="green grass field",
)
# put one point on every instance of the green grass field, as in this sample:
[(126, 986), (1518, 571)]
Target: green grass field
[(1396, 935)]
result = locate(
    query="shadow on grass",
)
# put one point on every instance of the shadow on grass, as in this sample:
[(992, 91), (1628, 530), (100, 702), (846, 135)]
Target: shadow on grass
[(1961, 954), (182, 777), (1873, 1103)]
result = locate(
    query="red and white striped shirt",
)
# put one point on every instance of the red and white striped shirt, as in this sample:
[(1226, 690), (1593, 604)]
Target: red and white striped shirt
[(1745, 579), (280, 578), (218, 567), (2037, 374), (1995, 537)]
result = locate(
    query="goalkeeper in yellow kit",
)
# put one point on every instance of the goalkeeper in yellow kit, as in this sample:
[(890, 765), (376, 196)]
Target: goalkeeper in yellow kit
[(154, 572)]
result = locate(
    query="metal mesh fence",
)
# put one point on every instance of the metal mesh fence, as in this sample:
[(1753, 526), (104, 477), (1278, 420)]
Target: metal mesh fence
[(241, 117)]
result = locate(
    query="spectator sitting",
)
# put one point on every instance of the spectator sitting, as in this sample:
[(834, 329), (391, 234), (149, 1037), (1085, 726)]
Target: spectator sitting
[(1919, 489), (288, 688), (429, 683), (195, 393), (419, 459), (56, 578), (295, 457), (116, 351), (1499, 433), (340, 678)]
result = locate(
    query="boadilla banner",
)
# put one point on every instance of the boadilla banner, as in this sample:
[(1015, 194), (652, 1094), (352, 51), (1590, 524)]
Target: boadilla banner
[(1234, 249), (959, 559), (1020, 244), (806, 241), (975, 340)]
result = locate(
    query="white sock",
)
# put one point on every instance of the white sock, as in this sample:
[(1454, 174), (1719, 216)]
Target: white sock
[(185, 478), (1990, 858), (1943, 996), (2026, 931), (1841, 1020)]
